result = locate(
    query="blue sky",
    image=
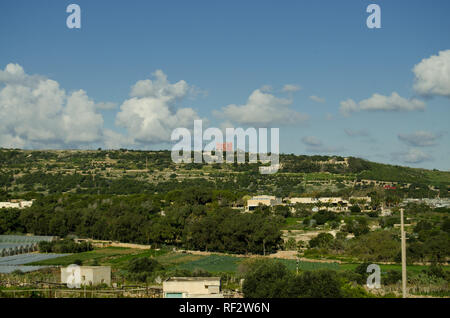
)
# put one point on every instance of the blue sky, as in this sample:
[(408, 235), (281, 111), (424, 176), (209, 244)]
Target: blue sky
[(221, 53)]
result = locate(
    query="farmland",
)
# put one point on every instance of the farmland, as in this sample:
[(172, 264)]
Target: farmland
[(118, 258)]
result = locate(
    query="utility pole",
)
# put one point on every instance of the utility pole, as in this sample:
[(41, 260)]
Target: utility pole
[(402, 231)]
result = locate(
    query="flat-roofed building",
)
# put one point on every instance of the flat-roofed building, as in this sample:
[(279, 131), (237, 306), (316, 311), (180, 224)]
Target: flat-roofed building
[(336, 204), (192, 287), (16, 204), (267, 200), (303, 200), (86, 275)]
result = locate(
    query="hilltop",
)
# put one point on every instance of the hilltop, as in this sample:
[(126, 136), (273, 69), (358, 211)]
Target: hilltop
[(129, 171)]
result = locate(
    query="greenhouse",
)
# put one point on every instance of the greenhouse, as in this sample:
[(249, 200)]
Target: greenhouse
[(8, 249), (20, 244), (25, 238)]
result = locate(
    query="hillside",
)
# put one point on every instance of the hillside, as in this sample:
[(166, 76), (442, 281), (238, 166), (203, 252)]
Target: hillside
[(129, 172)]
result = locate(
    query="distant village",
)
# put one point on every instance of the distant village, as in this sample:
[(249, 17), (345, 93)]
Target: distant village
[(336, 204)]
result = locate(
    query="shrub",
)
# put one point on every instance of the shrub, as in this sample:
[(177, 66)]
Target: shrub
[(141, 269)]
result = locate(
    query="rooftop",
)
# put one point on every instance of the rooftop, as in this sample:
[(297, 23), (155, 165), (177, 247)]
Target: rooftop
[(192, 279)]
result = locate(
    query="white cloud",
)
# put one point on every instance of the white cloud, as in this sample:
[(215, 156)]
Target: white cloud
[(432, 75), (262, 109), (151, 115), (317, 99), (413, 155), (15, 74), (36, 112), (419, 138), (382, 103), (115, 140), (290, 88), (160, 88)]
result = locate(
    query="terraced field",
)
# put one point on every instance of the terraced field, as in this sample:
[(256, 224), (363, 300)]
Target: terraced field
[(119, 257)]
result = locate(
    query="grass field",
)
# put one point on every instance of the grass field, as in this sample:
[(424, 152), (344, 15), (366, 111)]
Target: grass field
[(119, 257), (292, 223), (213, 263)]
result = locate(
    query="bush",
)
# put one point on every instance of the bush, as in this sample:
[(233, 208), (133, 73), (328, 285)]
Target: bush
[(436, 270), (141, 269), (315, 284), (290, 244), (322, 240), (266, 279), (324, 216), (355, 209), (392, 277)]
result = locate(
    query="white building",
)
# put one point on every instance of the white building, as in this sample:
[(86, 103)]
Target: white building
[(267, 200), (192, 287), (332, 202), (303, 200), (16, 204), (87, 275)]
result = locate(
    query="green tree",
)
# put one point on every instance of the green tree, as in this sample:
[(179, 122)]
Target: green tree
[(266, 279)]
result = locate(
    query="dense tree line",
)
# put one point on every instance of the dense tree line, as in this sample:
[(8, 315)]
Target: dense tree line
[(64, 246), (267, 278), (193, 218)]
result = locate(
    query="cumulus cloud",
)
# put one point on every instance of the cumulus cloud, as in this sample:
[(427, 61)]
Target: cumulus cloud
[(317, 99), (115, 140), (315, 145), (160, 88), (150, 115), (420, 138), (262, 109), (381, 103), (413, 155), (36, 112), (432, 75), (15, 74), (290, 88)]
